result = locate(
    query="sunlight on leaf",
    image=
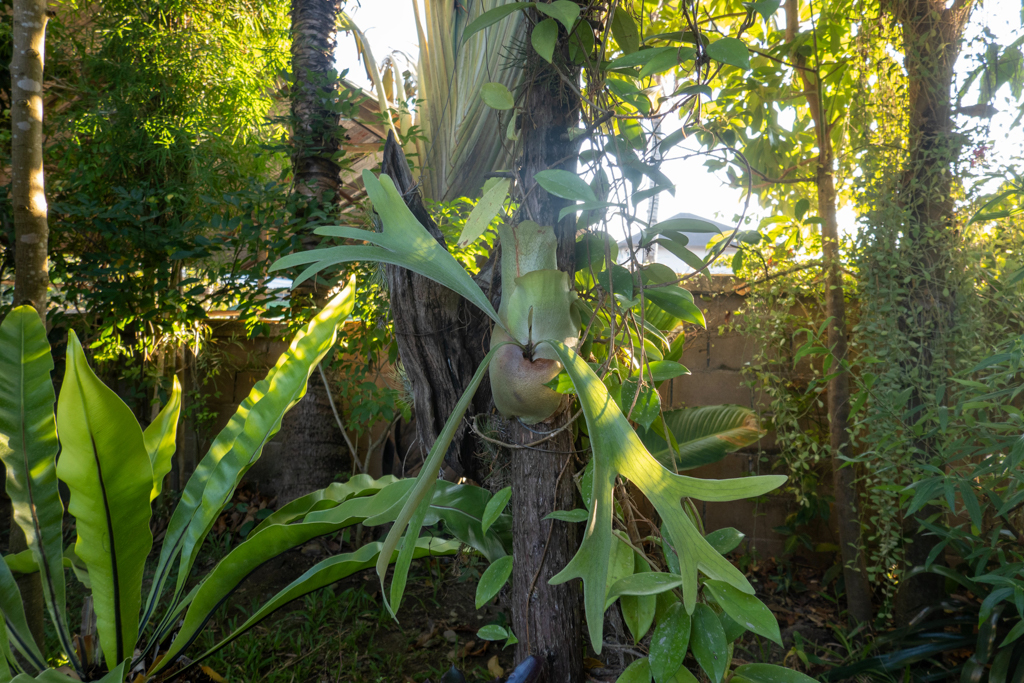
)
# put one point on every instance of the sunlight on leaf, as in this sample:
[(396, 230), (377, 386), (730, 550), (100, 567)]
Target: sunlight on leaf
[(404, 242), (619, 451)]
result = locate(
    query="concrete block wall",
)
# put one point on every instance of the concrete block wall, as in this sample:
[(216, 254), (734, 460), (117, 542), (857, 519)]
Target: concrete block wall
[(715, 357)]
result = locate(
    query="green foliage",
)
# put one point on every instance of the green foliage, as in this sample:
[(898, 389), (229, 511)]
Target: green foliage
[(404, 242), (28, 449), (158, 166), (414, 510), (493, 579), (617, 449), (977, 489), (625, 312), (110, 501), (701, 435), (107, 469), (169, 181), (785, 316)]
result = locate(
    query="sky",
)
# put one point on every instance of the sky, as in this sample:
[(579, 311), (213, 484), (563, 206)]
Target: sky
[(390, 26)]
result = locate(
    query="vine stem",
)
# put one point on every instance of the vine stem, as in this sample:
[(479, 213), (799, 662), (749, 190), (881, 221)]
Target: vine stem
[(552, 434), (337, 417)]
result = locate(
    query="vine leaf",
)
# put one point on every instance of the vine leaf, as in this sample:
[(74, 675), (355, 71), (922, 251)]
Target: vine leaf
[(769, 673), (618, 451), (625, 31), (565, 11), (565, 185), (746, 610), (493, 17), (678, 302), (497, 96), (708, 642), (730, 51), (495, 506), (668, 647), (543, 38), (493, 579)]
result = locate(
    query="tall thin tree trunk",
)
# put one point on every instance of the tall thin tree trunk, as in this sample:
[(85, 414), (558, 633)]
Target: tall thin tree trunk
[(844, 485), (31, 232), (31, 274), (547, 620), (932, 35)]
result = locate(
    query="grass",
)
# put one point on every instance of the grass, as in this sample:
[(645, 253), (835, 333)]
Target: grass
[(320, 640), (343, 633)]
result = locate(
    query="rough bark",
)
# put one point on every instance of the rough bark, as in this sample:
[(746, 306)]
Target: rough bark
[(932, 36), (844, 485), (442, 338), (547, 619), (310, 436), (315, 142), (31, 232), (315, 138)]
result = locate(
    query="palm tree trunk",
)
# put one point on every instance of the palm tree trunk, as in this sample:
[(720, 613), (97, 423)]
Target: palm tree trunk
[(315, 138), (315, 141)]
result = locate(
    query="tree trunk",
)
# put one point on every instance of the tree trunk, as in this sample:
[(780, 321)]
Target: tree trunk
[(315, 138), (547, 620), (310, 451), (31, 274), (442, 338), (855, 574), (31, 232), (932, 35), (315, 440), (844, 485)]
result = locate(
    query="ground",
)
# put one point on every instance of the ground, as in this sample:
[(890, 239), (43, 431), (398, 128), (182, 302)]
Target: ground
[(344, 633)]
